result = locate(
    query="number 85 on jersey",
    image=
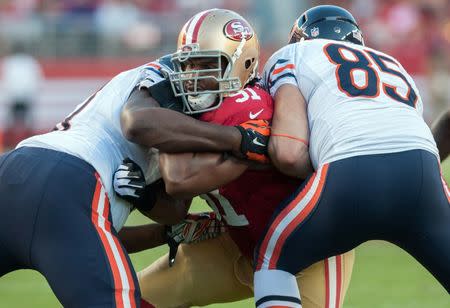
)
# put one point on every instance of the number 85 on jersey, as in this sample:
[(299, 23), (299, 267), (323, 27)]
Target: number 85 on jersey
[(381, 72)]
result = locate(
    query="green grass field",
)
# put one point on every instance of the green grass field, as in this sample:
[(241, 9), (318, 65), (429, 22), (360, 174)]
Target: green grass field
[(383, 276)]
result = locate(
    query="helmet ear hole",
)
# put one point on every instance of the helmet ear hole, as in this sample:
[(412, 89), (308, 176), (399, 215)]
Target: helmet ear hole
[(302, 20), (224, 63), (248, 63)]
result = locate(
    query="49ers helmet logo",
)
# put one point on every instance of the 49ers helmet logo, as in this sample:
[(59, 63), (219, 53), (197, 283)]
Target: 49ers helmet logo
[(236, 29)]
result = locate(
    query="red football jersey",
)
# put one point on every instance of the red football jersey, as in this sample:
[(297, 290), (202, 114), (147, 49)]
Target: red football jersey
[(247, 203)]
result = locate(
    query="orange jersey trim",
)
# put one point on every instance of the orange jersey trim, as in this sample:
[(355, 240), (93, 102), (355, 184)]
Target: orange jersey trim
[(280, 69)]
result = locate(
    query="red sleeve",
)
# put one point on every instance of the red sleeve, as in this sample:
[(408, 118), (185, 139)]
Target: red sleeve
[(248, 104)]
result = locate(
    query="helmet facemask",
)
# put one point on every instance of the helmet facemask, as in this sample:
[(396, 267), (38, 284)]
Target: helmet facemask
[(217, 56), (187, 84)]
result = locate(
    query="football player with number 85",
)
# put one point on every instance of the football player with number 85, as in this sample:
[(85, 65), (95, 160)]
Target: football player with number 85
[(377, 172)]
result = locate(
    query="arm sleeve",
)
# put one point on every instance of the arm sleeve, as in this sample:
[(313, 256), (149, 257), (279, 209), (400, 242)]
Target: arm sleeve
[(281, 69), (150, 74)]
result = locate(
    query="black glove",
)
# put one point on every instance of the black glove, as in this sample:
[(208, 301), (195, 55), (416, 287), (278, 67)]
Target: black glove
[(255, 139), (129, 184)]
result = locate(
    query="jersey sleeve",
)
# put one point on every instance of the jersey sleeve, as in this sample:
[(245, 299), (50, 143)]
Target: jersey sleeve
[(150, 74), (155, 71), (154, 77), (280, 69)]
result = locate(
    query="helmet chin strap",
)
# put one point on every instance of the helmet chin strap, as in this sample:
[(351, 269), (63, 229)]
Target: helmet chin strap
[(237, 53), (201, 101)]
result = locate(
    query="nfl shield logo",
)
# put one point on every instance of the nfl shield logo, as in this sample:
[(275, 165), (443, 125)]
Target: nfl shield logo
[(315, 32)]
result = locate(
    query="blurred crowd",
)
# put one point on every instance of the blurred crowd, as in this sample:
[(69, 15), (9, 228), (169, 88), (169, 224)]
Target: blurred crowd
[(99, 27), (416, 32)]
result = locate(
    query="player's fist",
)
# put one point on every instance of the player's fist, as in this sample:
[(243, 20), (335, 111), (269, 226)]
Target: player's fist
[(255, 139)]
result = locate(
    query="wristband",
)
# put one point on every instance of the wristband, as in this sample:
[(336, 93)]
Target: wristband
[(305, 142), (149, 198)]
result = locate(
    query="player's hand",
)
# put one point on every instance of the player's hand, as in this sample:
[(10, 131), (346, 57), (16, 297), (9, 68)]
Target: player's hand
[(255, 140), (129, 184), (194, 228)]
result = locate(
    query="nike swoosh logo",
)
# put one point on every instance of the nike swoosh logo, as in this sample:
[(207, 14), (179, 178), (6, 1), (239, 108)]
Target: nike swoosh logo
[(253, 116), (255, 141)]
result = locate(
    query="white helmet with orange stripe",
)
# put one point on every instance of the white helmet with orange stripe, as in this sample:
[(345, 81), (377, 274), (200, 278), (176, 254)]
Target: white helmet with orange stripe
[(217, 55)]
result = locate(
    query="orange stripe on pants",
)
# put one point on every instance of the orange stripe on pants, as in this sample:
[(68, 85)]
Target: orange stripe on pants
[(109, 253), (298, 220), (279, 218), (114, 251)]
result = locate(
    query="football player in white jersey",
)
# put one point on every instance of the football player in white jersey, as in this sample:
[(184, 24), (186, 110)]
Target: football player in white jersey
[(57, 192), (376, 164)]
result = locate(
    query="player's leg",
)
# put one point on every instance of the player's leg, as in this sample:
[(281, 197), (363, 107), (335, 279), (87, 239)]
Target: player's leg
[(357, 199), (21, 174), (307, 228), (208, 270), (427, 238), (7, 260), (75, 245), (325, 283)]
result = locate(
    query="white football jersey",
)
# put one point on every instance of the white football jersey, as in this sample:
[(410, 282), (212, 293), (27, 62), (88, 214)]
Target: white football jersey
[(359, 101), (93, 133)]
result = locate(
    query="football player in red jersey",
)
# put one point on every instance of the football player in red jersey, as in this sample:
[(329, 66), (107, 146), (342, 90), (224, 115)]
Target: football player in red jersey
[(247, 196)]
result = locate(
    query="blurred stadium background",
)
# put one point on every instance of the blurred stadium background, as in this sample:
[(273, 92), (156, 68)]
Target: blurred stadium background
[(55, 53)]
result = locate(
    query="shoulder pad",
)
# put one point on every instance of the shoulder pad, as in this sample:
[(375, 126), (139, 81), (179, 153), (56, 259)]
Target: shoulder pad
[(163, 94), (166, 62)]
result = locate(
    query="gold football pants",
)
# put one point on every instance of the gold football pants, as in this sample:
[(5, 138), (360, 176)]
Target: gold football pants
[(214, 271)]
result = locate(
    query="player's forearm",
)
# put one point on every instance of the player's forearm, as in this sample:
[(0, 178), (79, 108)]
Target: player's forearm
[(173, 132), (168, 210), (138, 238), (290, 157), (441, 133), (288, 145), (191, 174)]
